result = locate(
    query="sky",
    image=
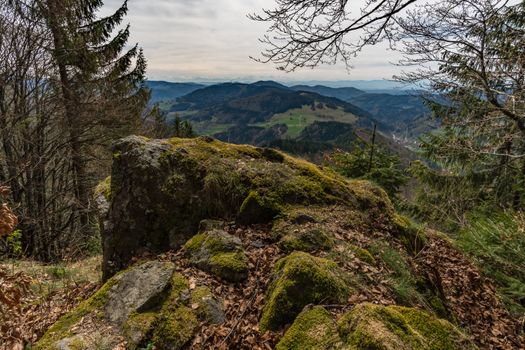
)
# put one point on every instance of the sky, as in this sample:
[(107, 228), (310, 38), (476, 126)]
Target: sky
[(212, 40)]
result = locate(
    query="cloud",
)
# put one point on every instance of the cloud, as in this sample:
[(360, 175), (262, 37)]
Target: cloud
[(213, 39)]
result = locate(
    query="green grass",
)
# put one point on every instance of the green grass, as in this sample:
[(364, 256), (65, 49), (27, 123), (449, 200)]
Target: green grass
[(48, 279), (299, 118), (401, 279)]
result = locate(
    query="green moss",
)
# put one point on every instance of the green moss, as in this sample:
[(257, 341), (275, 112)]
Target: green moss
[(373, 327), (77, 344), (232, 266), (175, 323), (363, 254), (62, 328), (104, 188), (174, 328), (256, 209), (298, 280), (306, 240), (312, 329), (137, 328)]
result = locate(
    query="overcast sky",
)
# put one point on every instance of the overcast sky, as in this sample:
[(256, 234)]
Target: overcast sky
[(189, 40)]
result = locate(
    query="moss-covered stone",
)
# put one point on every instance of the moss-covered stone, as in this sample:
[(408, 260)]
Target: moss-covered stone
[(174, 328), (137, 328), (313, 329), (219, 253), (298, 280), (206, 306), (256, 209), (176, 323), (62, 328), (306, 240), (375, 327), (161, 190)]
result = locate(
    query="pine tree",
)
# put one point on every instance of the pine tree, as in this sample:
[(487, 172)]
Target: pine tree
[(102, 85)]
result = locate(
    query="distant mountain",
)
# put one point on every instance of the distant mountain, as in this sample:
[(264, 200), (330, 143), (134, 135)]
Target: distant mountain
[(237, 103), (344, 93), (163, 90), (300, 119)]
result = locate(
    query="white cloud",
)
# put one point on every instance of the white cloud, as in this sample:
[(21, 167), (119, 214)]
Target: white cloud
[(213, 39)]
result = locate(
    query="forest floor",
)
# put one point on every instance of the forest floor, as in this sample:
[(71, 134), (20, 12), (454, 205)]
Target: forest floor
[(34, 296)]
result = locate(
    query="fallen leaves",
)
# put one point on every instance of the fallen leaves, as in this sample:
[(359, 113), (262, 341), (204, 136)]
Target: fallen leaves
[(470, 297), (25, 316), (8, 219)]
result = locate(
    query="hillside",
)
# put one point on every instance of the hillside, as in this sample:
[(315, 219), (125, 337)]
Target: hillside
[(213, 245), (166, 91)]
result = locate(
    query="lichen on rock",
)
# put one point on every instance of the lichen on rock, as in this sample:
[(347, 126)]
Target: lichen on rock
[(298, 280)]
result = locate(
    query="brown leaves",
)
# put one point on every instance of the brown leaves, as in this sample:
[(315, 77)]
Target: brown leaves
[(8, 219), (24, 316), (470, 297)]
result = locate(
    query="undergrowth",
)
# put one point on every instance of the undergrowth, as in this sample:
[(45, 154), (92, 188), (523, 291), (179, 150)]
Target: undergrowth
[(497, 246), (402, 281)]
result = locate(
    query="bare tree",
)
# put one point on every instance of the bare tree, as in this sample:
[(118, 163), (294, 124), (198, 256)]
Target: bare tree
[(307, 33)]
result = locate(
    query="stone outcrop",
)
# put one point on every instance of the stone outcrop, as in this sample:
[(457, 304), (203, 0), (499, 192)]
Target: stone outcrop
[(251, 247), (161, 190)]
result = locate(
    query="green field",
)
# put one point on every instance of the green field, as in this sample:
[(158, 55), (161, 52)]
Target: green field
[(299, 118)]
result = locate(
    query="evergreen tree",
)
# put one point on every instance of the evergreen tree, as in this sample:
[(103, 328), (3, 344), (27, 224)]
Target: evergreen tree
[(363, 163), (102, 84)]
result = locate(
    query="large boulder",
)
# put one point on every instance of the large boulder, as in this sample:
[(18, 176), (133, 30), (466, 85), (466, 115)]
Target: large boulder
[(162, 189)]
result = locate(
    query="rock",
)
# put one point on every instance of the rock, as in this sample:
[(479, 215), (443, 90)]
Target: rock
[(256, 209), (370, 326), (208, 225), (176, 322), (313, 329), (306, 240), (162, 189), (138, 290), (219, 253), (298, 280), (147, 302), (206, 305), (302, 218)]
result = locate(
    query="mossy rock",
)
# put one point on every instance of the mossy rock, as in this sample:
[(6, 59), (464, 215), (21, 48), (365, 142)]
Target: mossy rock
[(137, 329), (207, 307), (298, 280), (162, 189), (306, 240), (257, 209), (375, 327), (157, 306), (218, 253), (175, 328), (313, 329)]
